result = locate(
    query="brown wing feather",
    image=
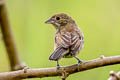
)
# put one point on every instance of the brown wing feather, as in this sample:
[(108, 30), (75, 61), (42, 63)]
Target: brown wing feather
[(58, 54), (62, 40), (77, 42), (62, 43)]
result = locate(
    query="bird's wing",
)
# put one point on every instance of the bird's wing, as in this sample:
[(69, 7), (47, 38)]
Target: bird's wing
[(63, 40), (77, 41), (66, 42), (62, 43)]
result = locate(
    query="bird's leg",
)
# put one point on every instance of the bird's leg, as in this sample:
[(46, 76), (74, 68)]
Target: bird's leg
[(79, 61), (58, 66)]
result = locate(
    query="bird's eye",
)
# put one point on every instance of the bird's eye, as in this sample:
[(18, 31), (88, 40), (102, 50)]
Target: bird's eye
[(57, 18)]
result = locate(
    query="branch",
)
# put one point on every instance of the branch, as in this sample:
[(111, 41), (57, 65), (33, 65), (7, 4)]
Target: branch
[(114, 75), (1, 2), (12, 51), (49, 72)]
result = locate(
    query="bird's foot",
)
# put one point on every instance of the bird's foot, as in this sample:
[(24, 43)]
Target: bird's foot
[(58, 66), (79, 62), (78, 65)]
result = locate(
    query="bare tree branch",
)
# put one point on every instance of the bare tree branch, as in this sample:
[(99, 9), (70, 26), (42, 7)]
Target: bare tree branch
[(12, 51), (1, 2), (49, 72)]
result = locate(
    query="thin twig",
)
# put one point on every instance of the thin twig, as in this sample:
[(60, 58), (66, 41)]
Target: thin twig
[(12, 51), (50, 72), (114, 75)]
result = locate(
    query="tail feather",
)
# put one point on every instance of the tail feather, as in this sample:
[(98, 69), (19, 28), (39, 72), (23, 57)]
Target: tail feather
[(57, 54)]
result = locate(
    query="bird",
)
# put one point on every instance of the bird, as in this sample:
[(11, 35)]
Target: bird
[(69, 39)]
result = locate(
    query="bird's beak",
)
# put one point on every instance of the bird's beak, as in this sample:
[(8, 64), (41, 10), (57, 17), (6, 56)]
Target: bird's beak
[(49, 21)]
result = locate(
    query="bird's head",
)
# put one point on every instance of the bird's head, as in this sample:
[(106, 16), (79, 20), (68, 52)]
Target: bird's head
[(59, 20)]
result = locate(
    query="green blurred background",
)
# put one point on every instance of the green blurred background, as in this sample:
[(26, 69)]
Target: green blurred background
[(98, 19)]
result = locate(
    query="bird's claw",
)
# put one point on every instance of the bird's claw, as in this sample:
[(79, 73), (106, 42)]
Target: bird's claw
[(78, 65), (80, 61), (58, 66)]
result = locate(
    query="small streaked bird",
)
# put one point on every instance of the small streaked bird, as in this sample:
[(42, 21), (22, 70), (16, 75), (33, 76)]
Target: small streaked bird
[(69, 39)]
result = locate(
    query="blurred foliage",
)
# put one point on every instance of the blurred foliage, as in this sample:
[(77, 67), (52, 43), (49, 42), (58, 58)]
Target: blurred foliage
[(98, 19)]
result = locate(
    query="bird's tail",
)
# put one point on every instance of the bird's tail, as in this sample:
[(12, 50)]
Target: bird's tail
[(58, 53)]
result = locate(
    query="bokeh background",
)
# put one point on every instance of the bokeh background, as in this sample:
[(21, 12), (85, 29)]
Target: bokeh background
[(98, 19)]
